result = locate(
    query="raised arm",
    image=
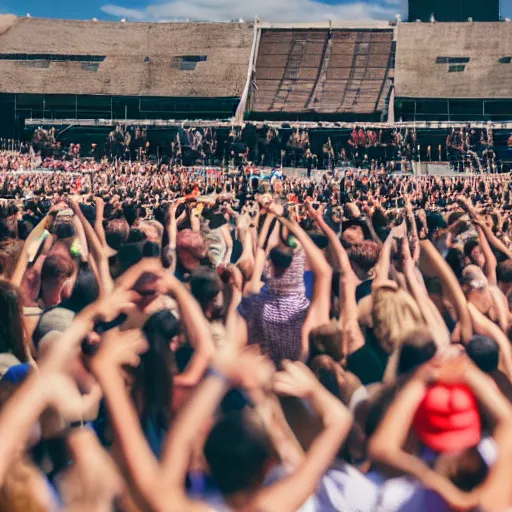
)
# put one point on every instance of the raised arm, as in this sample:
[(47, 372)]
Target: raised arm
[(49, 387), (319, 309), (81, 237), (482, 325), (23, 261), (98, 222), (451, 286), (20, 413), (253, 286), (105, 281), (430, 313), (290, 493), (118, 349), (384, 264), (226, 234), (353, 338), (490, 259), (227, 369), (386, 445), (197, 328), (412, 229), (495, 241)]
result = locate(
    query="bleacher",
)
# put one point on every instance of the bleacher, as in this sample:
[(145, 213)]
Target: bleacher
[(323, 71)]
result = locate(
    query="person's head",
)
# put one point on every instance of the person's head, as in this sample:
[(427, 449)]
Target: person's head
[(26, 225), (58, 276), (190, 249), (136, 236), (85, 291), (8, 228), (504, 275), (129, 255), (435, 222), (328, 339), (206, 287), (281, 259), (9, 254), (455, 217), (448, 422), (324, 368), (353, 232), (448, 419), (116, 233), (417, 348), (153, 229), (395, 315), (89, 212), (277, 186), (239, 453), (466, 470), (484, 352), (473, 253), (320, 240), (363, 257), (151, 250), (64, 229), (476, 287), (12, 331)]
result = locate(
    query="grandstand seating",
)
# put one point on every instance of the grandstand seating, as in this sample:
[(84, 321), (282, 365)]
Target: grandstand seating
[(324, 71), (127, 59)]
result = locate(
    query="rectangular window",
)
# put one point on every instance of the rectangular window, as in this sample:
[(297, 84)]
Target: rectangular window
[(90, 66), (40, 64), (452, 60), (456, 69), (187, 62)]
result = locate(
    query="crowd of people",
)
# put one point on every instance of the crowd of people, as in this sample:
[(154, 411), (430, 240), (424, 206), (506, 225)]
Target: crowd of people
[(175, 341), (467, 149)]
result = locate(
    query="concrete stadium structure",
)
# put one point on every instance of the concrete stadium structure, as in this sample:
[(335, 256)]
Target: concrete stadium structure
[(454, 71), (375, 72), (87, 69)]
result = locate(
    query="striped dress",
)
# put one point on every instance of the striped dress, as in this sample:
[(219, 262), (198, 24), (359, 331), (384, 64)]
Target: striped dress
[(275, 316)]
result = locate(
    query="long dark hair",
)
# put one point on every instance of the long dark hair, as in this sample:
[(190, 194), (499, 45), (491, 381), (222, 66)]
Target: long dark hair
[(12, 330), (153, 377), (85, 292)]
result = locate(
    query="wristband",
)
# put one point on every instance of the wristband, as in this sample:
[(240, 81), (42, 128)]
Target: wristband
[(213, 372)]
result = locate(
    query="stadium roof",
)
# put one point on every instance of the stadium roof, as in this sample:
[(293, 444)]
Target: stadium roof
[(454, 60), (46, 56)]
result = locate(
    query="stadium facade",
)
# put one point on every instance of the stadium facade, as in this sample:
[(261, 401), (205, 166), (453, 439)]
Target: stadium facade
[(376, 72)]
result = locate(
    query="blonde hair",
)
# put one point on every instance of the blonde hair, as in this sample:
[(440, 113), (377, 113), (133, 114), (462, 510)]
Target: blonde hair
[(328, 339), (395, 315)]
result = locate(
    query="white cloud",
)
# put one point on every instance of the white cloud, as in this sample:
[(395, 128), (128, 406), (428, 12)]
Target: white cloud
[(267, 10)]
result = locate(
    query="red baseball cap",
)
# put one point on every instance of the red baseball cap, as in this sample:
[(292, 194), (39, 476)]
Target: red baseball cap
[(448, 419)]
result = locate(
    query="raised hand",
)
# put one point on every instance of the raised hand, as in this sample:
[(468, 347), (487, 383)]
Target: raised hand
[(121, 348), (296, 380)]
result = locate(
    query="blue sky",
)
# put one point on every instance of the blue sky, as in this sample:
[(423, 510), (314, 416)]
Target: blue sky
[(215, 10)]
